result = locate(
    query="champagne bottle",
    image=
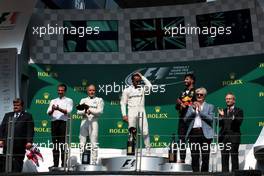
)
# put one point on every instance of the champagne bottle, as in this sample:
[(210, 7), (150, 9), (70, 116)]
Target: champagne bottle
[(86, 156), (131, 141), (173, 150)]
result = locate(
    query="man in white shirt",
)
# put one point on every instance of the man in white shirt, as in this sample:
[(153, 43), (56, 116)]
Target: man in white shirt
[(89, 124), (133, 97), (199, 118), (59, 110)]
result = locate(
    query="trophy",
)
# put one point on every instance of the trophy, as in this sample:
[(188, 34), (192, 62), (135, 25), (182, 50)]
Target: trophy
[(82, 107)]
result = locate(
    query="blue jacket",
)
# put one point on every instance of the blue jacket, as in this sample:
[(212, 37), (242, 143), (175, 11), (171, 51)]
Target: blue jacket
[(207, 116)]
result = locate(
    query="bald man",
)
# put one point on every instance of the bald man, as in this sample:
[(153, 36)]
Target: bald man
[(230, 121), (89, 124)]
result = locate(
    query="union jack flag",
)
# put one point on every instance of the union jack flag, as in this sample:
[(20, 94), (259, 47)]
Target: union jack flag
[(150, 34)]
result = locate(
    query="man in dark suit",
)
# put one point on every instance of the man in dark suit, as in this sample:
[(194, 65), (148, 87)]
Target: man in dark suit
[(199, 119), (230, 120), (23, 133)]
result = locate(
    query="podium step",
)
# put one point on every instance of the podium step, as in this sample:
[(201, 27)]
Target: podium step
[(88, 167), (176, 167), (130, 163)]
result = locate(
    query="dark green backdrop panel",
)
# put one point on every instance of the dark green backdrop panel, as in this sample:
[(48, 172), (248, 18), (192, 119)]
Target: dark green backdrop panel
[(242, 75)]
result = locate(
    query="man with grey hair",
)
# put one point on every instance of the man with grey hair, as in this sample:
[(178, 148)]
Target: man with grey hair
[(199, 119)]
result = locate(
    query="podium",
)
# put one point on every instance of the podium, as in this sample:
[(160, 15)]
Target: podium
[(130, 163), (88, 167)]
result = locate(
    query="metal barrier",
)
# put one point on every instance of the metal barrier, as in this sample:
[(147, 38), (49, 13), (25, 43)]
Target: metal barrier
[(139, 158), (9, 145)]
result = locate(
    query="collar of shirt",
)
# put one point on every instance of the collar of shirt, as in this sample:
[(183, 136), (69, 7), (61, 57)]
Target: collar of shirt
[(231, 108), (17, 114), (62, 98)]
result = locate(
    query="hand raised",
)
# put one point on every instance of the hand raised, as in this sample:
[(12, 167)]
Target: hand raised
[(221, 112), (125, 118)]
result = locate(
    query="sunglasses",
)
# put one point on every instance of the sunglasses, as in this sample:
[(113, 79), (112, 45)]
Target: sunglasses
[(200, 95)]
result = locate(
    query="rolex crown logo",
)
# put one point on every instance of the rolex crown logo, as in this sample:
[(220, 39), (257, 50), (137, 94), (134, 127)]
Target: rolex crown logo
[(44, 123), (119, 124), (48, 68), (232, 75), (46, 95), (84, 82), (156, 138), (157, 109)]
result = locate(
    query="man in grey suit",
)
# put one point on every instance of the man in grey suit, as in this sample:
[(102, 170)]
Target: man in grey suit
[(199, 119)]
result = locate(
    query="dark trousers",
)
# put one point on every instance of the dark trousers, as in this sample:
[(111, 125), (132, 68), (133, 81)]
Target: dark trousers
[(17, 158), (230, 149), (17, 163), (182, 129), (198, 143), (58, 132)]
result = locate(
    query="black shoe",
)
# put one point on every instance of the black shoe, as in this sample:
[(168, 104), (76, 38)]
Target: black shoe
[(181, 161), (51, 168)]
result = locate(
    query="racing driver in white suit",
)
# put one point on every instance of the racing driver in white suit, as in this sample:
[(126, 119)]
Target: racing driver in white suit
[(89, 124), (134, 98)]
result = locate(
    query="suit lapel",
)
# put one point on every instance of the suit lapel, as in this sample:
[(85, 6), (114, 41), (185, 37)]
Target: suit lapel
[(204, 107), (20, 115)]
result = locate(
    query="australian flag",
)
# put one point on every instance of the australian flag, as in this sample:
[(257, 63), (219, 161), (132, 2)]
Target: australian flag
[(238, 20)]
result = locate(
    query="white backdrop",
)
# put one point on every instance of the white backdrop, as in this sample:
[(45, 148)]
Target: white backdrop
[(7, 80), (14, 25)]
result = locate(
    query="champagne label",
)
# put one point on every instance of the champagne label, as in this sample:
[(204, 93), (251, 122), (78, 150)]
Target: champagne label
[(171, 157), (129, 149)]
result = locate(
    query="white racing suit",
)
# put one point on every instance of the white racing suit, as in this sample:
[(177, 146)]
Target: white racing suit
[(89, 124), (134, 98)]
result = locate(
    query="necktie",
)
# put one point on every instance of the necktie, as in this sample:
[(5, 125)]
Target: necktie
[(228, 111), (16, 115)]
